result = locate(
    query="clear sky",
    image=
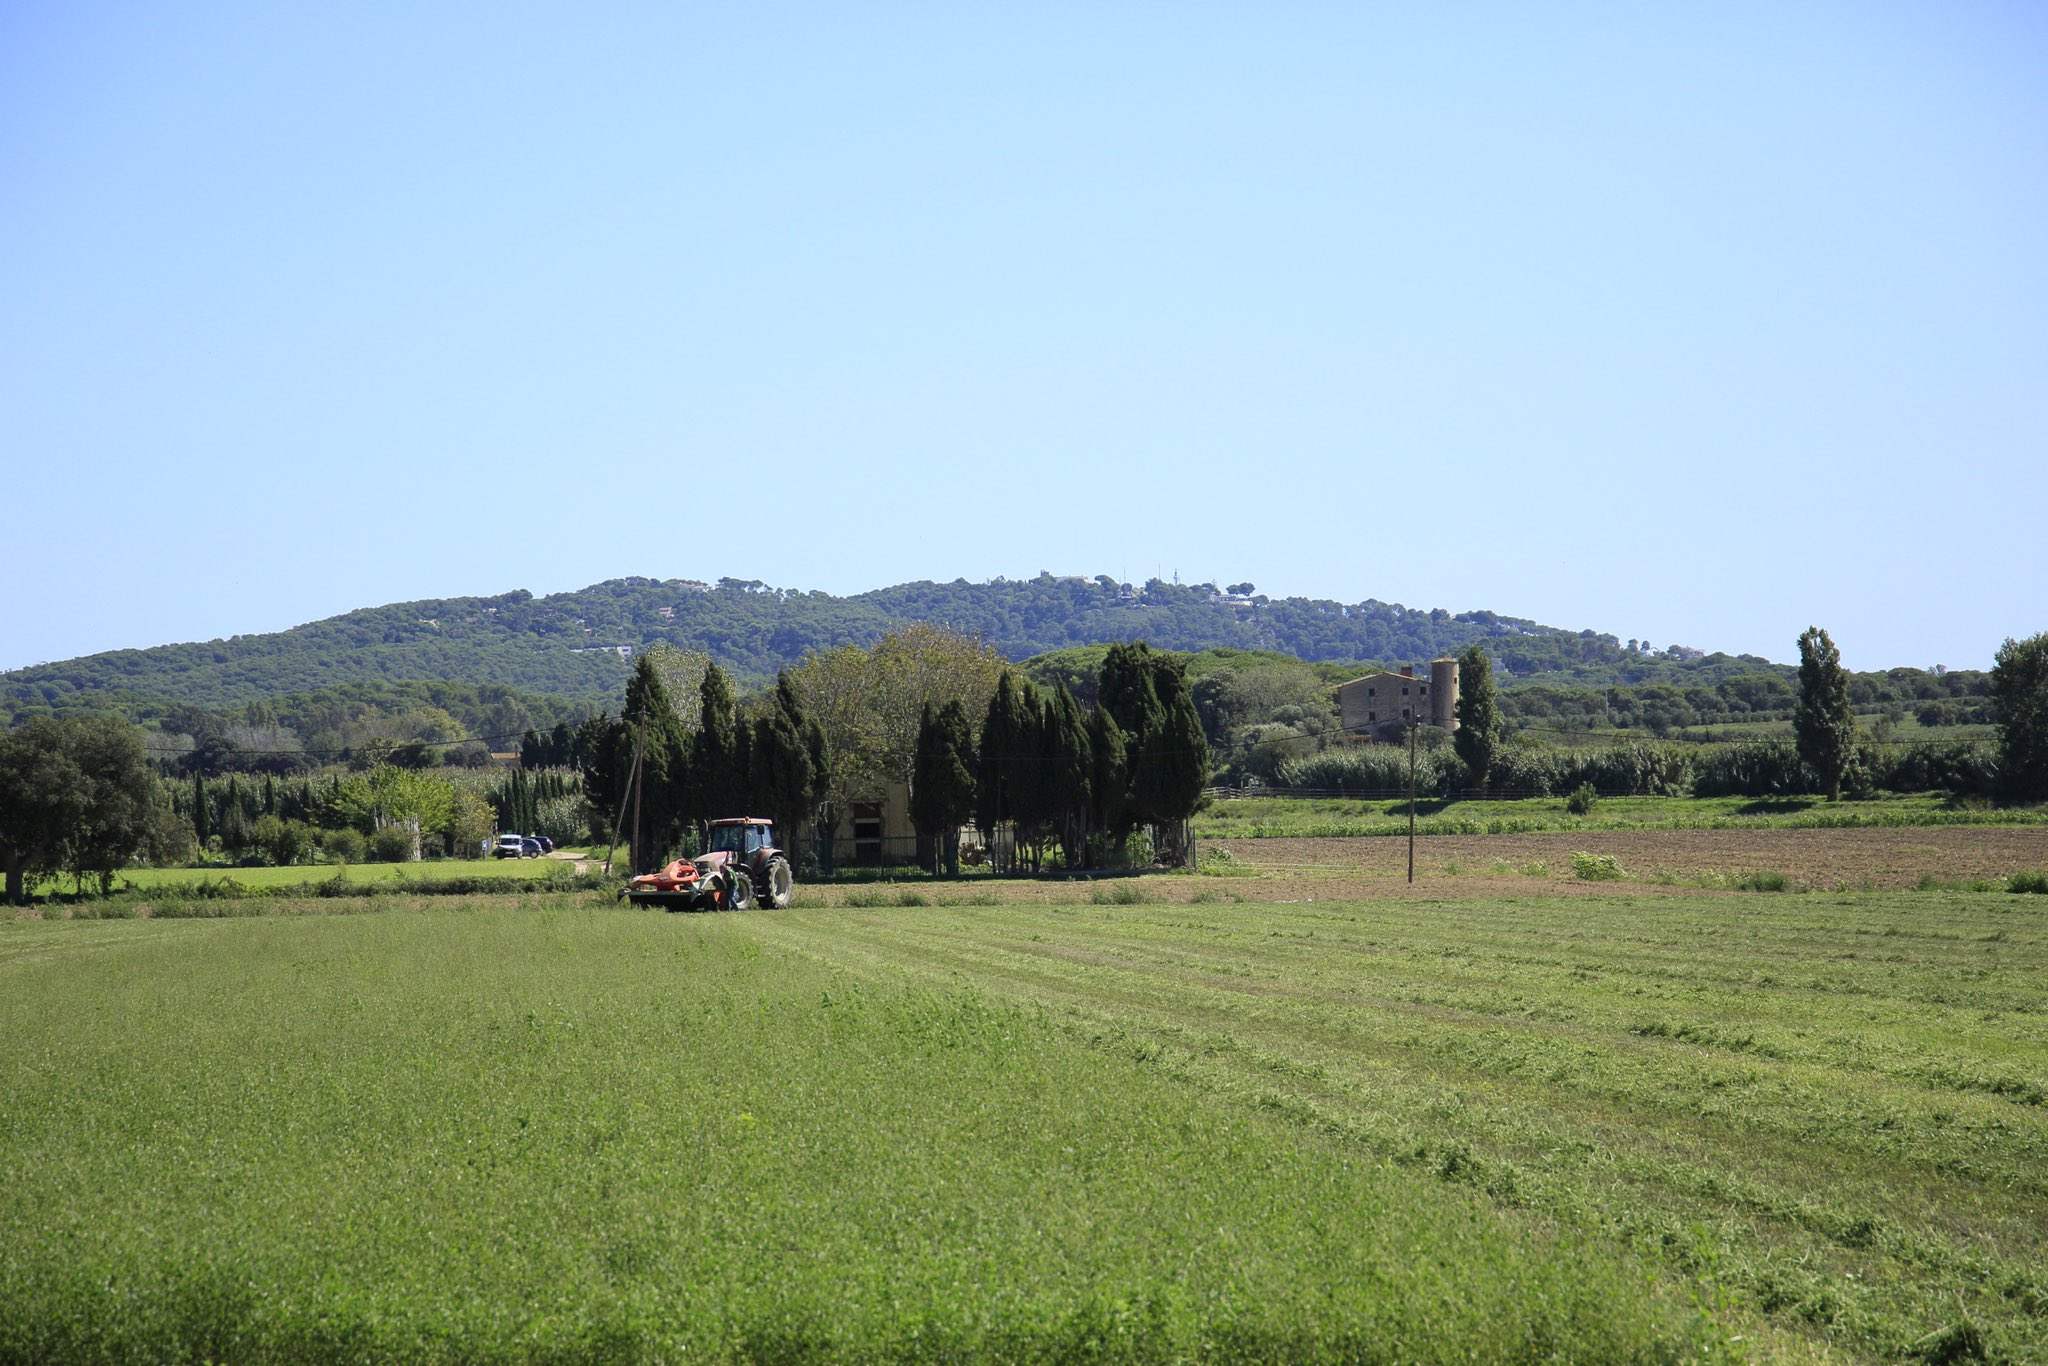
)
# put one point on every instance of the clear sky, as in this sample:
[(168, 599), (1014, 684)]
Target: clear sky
[(1696, 323)]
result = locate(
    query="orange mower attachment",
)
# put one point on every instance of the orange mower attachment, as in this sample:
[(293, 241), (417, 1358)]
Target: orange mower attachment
[(705, 884)]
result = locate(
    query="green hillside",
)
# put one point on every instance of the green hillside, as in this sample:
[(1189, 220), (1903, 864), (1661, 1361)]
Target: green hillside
[(568, 645)]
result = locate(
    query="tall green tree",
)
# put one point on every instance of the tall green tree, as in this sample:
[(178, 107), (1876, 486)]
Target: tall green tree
[(790, 703), (604, 747), (1146, 692), (652, 727), (202, 809), (719, 784), (76, 795), (1069, 772), (942, 780), (1821, 720), (43, 796), (119, 818), (1110, 775), (1003, 730), (1477, 738), (2019, 704)]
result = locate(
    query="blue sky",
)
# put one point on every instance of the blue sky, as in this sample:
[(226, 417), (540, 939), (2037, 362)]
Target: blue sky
[(1693, 323)]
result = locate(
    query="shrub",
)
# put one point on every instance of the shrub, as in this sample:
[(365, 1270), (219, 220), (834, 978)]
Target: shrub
[(1582, 801), (1223, 863), (1121, 894), (1763, 882), (343, 845), (2028, 882), (392, 844), (1595, 867)]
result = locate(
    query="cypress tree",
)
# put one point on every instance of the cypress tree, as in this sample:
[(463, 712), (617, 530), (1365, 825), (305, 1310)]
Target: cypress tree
[(1032, 805), (942, 780), (1821, 719), (817, 748), (716, 783), (234, 821), (1069, 773), (1477, 738), (1003, 731), (1146, 693), (202, 811), (1110, 777), (780, 769), (650, 720)]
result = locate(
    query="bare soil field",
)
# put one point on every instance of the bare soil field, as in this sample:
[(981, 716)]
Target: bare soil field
[(1847, 859)]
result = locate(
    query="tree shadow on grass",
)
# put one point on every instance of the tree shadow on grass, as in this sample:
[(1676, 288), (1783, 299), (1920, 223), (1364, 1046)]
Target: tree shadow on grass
[(1775, 806), (1424, 806)]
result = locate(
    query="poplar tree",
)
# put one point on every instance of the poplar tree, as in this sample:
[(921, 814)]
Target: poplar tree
[(1822, 721)]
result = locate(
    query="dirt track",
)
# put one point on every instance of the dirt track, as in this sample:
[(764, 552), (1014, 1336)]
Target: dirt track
[(1813, 858)]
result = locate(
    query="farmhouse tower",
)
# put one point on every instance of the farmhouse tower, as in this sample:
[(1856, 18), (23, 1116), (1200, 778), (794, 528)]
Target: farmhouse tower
[(1443, 693)]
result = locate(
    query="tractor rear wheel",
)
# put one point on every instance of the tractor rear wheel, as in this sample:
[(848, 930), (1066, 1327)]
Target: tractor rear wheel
[(739, 893), (777, 882)]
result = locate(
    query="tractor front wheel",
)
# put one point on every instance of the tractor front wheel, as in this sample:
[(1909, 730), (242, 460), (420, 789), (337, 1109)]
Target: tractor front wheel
[(739, 893), (776, 884)]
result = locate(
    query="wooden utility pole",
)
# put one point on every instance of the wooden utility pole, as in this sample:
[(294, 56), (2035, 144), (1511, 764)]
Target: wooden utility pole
[(637, 846), (1413, 726), (632, 790)]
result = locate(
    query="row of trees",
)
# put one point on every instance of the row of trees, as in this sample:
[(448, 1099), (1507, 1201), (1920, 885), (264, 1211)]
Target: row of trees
[(1057, 772), (1824, 721), (660, 777), (1828, 752)]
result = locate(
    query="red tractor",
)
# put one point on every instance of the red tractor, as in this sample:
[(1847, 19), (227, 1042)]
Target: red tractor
[(742, 869)]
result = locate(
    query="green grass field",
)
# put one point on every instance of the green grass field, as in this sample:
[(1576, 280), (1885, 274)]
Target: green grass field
[(1627, 1128), (151, 879), (1264, 817)]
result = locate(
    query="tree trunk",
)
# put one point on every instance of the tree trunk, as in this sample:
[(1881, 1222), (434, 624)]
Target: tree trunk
[(15, 878)]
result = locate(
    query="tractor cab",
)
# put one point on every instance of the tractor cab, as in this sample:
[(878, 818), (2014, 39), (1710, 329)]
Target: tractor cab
[(741, 838)]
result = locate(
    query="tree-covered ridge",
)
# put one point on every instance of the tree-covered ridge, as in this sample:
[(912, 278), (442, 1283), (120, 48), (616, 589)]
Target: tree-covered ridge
[(569, 645)]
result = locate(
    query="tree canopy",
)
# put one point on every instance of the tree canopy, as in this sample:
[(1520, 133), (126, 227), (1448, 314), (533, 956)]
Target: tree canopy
[(1823, 723), (2019, 697)]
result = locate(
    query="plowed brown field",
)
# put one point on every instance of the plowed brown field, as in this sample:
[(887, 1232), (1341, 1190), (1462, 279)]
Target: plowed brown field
[(1847, 859)]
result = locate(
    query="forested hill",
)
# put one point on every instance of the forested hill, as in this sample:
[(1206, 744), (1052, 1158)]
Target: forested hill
[(567, 644)]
